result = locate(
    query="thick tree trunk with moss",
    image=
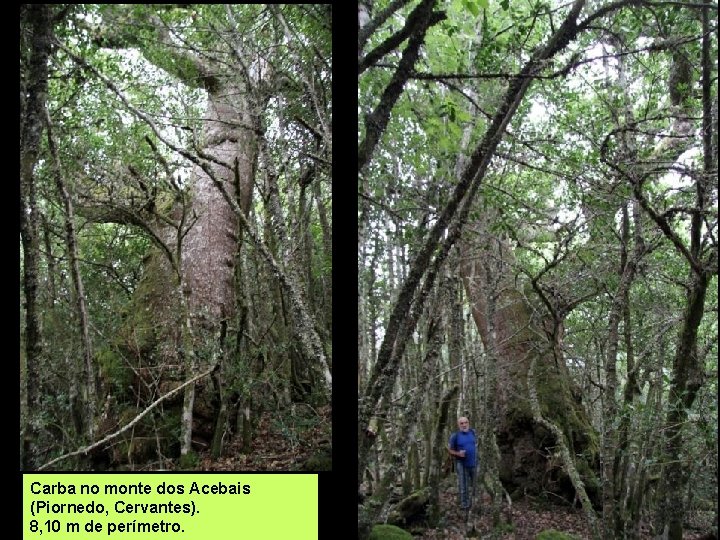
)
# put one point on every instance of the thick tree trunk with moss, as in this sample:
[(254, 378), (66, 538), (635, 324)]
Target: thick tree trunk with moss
[(177, 310), (520, 338), (188, 289)]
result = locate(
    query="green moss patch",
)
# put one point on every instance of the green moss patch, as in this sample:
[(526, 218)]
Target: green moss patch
[(389, 532)]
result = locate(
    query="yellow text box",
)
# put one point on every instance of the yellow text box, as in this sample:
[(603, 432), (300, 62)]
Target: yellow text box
[(170, 505)]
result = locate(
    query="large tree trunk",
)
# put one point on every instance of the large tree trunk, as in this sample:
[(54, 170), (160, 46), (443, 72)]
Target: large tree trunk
[(188, 289), (209, 249), (207, 254), (520, 338), (210, 246)]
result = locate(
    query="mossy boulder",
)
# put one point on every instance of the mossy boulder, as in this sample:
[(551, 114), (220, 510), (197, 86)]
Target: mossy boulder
[(413, 510), (389, 532), (552, 534)]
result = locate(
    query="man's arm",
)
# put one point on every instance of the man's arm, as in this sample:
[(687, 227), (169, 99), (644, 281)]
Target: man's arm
[(453, 442)]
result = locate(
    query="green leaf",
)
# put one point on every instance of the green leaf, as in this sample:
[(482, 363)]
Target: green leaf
[(472, 7), (462, 116), (484, 3)]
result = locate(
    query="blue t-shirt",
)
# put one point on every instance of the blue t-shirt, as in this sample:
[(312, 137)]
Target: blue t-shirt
[(464, 441)]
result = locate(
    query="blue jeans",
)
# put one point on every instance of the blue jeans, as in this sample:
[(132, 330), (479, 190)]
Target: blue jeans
[(466, 484)]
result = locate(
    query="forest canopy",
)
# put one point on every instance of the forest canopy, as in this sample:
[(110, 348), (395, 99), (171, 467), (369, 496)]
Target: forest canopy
[(176, 233), (537, 251)]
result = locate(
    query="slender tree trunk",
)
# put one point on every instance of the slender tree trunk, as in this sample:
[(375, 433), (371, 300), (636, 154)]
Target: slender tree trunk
[(37, 23), (326, 256), (611, 504), (188, 360), (428, 430), (687, 379), (565, 456), (456, 335), (87, 368), (306, 252), (624, 458), (439, 453), (363, 334), (50, 261)]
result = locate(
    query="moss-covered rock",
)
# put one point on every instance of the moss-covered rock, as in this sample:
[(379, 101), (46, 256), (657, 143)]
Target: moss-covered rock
[(552, 534), (389, 532), (412, 510)]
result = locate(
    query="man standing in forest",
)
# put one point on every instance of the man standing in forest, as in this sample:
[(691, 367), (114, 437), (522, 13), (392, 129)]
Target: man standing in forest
[(462, 447)]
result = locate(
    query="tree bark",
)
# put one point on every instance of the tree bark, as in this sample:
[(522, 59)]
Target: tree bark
[(37, 25), (87, 368), (326, 256), (517, 339), (493, 271), (611, 504), (624, 460), (439, 453)]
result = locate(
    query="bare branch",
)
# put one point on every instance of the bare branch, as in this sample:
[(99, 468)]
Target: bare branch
[(133, 422), (417, 22), (375, 23), (376, 122)]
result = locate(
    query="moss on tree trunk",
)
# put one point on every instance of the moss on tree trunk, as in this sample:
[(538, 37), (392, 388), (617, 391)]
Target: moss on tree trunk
[(519, 338)]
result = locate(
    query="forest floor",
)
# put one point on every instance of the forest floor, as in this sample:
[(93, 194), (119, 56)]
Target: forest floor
[(529, 518), (283, 442)]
